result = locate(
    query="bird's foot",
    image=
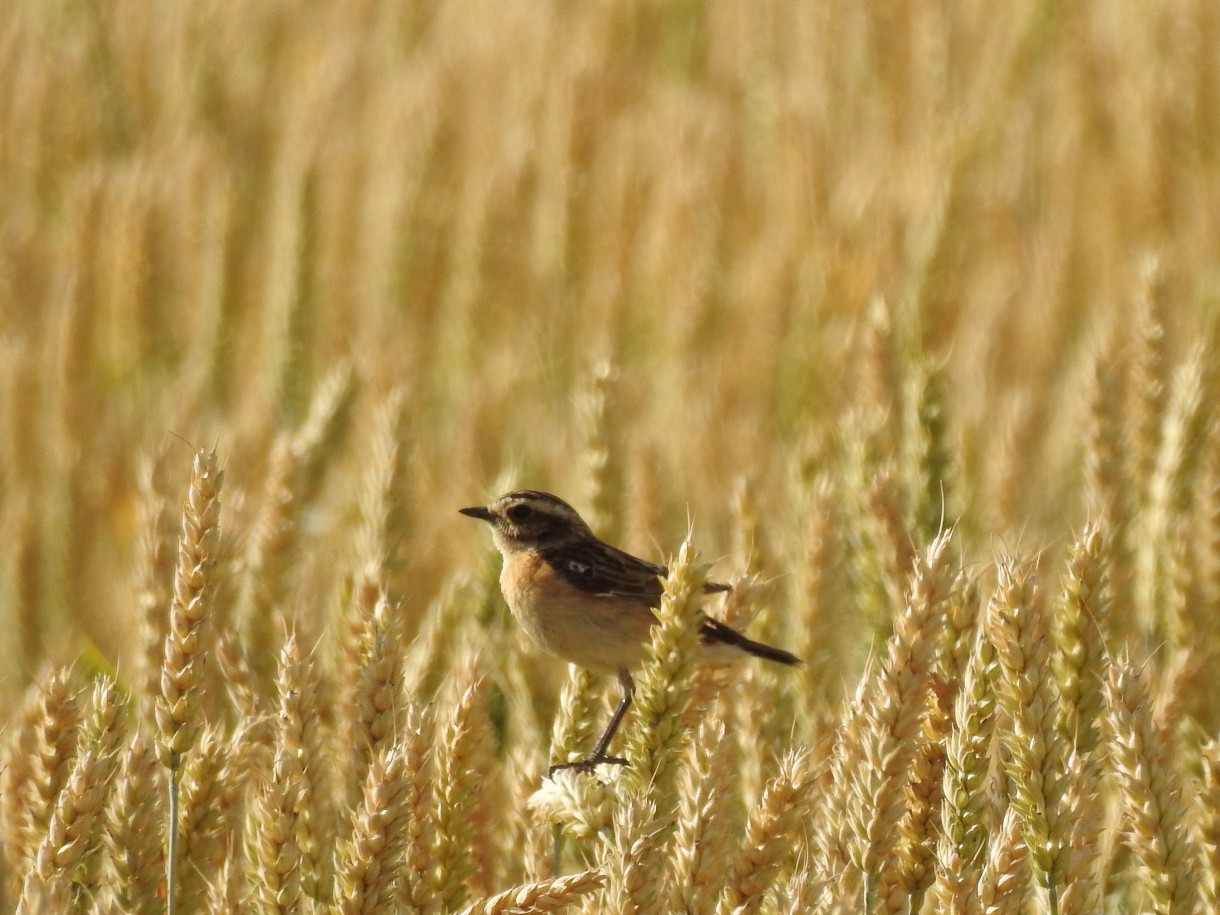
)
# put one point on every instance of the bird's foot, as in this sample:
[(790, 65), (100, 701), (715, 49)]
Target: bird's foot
[(586, 765)]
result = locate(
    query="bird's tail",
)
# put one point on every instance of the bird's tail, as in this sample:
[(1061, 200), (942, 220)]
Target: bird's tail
[(716, 632)]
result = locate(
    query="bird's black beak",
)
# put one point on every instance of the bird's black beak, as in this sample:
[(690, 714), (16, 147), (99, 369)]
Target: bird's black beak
[(478, 511)]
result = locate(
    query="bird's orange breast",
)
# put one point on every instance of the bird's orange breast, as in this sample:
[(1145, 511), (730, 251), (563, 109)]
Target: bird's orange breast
[(600, 632)]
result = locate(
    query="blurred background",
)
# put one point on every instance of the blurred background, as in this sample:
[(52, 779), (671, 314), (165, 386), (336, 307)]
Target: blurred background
[(675, 260)]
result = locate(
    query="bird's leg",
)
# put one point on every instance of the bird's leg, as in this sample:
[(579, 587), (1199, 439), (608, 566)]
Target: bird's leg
[(598, 755), (603, 743)]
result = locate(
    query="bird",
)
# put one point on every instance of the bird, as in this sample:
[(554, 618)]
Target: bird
[(588, 602)]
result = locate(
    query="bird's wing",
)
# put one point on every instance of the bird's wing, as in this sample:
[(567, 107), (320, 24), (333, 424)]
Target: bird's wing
[(598, 568), (601, 569)]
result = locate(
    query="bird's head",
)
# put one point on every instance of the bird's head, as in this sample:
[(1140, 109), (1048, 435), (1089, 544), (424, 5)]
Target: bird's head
[(527, 519)]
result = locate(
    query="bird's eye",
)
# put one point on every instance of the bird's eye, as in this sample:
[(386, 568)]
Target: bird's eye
[(519, 513)]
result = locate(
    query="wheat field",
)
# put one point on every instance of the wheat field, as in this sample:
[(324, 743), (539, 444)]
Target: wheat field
[(899, 316)]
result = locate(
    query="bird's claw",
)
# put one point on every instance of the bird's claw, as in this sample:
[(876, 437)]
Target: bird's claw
[(586, 765)]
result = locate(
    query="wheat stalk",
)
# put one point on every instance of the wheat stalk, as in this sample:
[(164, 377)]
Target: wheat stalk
[(1035, 753), (892, 712), (963, 831), (1154, 813), (542, 896), (769, 833), (67, 856), (37, 763), (703, 844), (132, 834), (178, 706), (652, 744), (462, 771)]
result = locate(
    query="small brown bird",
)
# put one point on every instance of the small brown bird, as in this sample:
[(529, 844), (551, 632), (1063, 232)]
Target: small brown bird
[(585, 601)]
